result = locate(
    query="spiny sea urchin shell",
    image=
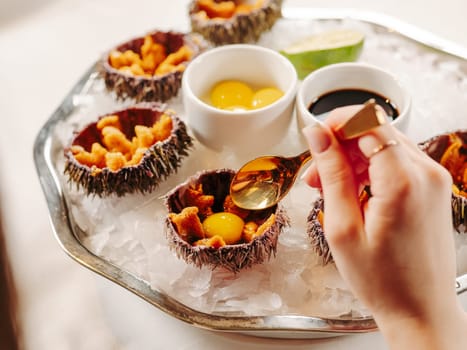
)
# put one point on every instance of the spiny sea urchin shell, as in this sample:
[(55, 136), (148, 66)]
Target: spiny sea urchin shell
[(315, 232), (450, 150), (131, 81), (153, 163), (315, 228), (231, 22), (233, 257)]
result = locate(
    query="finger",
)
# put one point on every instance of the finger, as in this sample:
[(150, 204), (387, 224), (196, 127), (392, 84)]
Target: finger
[(382, 145), (359, 162), (386, 137), (340, 188), (340, 115), (390, 172), (388, 159), (413, 150), (311, 176), (360, 167)]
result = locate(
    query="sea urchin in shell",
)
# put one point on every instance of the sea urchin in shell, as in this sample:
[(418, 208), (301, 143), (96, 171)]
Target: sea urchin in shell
[(150, 87), (450, 150), (233, 257), (232, 22), (155, 161)]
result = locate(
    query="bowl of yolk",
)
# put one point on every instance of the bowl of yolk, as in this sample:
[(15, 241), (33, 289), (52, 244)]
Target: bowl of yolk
[(239, 97)]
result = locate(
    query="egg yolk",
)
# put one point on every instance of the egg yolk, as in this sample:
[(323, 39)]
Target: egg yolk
[(231, 95), (265, 97), (227, 225)]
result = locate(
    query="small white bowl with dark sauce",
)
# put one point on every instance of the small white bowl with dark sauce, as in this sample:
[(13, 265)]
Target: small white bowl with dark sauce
[(345, 84), (247, 132)]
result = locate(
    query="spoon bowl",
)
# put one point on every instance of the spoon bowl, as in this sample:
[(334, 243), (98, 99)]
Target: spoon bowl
[(263, 182)]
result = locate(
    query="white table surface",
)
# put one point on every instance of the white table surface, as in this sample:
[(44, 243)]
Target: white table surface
[(45, 46)]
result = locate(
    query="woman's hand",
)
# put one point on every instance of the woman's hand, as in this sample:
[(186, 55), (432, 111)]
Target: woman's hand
[(398, 253)]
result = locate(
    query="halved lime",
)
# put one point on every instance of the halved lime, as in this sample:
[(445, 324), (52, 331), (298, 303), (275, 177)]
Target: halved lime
[(323, 49)]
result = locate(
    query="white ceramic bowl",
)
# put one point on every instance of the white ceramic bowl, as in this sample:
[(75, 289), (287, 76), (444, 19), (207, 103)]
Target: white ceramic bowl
[(245, 132), (347, 76)]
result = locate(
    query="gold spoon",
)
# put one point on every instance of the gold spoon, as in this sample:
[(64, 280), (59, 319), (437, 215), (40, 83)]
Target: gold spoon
[(264, 181)]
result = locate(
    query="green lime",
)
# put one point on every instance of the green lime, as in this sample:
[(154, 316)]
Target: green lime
[(323, 49)]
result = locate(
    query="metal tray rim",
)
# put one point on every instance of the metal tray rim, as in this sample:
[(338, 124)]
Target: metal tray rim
[(283, 326)]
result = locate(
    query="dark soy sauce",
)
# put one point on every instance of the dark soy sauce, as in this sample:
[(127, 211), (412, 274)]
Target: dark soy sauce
[(345, 97)]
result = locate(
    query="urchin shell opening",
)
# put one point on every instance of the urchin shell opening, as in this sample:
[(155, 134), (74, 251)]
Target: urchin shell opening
[(233, 257), (435, 147), (241, 28), (156, 88), (159, 161)]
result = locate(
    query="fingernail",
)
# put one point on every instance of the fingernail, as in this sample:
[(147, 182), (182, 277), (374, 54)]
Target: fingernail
[(317, 137)]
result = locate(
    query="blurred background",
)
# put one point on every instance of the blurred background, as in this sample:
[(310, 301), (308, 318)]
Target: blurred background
[(45, 47)]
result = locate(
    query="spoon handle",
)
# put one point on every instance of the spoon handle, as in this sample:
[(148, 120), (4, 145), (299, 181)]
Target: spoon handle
[(304, 156), (365, 119)]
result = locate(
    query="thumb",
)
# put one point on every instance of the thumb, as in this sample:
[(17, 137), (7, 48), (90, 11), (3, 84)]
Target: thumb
[(340, 188)]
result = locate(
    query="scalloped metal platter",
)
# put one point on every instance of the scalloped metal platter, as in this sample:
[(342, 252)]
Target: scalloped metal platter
[(67, 231)]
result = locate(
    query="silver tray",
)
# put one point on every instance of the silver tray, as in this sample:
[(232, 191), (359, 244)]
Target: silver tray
[(69, 234)]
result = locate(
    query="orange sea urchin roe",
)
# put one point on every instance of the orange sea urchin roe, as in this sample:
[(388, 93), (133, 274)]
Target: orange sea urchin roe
[(214, 242), (251, 230), (226, 9), (200, 226), (152, 59), (188, 225), (236, 95), (454, 159), (226, 225), (116, 151)]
